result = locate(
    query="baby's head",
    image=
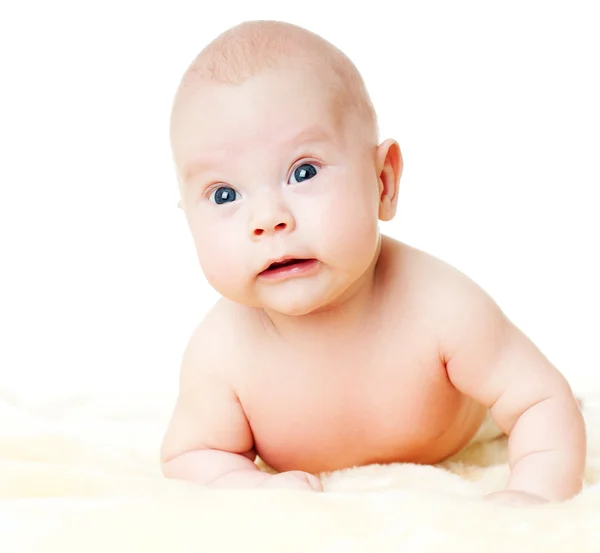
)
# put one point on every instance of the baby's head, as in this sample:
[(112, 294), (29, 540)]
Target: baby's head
[(274, 140)]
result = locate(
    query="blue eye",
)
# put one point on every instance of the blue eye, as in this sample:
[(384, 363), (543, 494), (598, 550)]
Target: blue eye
[(224, 195), (304, 172)]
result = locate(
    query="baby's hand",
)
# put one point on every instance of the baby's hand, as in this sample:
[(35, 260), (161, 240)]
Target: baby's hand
[(295, 479), (515, 498)]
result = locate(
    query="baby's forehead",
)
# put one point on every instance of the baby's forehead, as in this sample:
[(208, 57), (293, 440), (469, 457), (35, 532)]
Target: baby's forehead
[(283, 102)]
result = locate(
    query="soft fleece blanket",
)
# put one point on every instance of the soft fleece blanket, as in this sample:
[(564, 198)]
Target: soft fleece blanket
[(82, 475)]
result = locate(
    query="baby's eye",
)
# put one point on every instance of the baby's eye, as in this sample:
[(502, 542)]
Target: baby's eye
[(303, 172), (223, 195)]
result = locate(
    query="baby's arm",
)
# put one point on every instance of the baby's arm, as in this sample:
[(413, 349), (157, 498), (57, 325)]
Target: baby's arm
[(491, 360), (209, 440)]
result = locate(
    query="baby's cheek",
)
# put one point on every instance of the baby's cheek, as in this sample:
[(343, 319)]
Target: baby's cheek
[(219, 262), (352, 224)]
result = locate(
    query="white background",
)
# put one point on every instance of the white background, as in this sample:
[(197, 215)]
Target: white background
[(495, 106)]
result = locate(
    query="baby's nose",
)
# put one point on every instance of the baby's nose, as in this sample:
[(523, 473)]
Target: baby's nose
[(278, 226), (272, 218)]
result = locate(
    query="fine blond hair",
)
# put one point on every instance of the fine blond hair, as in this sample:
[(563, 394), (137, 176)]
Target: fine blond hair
[(253, 47)]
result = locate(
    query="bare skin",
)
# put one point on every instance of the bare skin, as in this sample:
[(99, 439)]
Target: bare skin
[(374, 392), (377, 392), (368, 351)]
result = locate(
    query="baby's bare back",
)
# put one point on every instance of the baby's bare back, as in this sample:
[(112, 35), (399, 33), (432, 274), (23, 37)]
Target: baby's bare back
[(374, 394)]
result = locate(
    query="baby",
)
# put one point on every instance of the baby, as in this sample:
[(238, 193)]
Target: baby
[(333, 346)]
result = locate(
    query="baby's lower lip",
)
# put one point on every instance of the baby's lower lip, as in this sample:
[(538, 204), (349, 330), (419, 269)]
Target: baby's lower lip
[(298, 268)]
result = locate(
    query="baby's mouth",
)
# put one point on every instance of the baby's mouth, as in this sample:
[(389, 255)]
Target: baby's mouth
[(286, 265)]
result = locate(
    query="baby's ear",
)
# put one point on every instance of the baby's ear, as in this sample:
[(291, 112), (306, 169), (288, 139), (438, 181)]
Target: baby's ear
[(389, 171)]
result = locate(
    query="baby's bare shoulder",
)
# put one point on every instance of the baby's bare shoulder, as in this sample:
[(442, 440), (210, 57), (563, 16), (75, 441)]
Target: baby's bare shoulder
[(434, 287), (220, 341)]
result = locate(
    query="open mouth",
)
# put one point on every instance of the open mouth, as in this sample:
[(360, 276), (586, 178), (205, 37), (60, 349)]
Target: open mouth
[(287, 265)]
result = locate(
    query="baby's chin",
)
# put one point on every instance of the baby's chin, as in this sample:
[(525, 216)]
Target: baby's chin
[(293, 310), (289, 299), (294, 298), (291, 307), (299, 302)]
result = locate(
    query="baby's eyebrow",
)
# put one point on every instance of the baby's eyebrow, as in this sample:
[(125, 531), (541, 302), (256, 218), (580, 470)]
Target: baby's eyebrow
[(310, 135), (200, 164)]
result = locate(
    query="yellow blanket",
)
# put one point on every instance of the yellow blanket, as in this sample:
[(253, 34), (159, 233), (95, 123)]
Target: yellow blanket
[(82, 475)]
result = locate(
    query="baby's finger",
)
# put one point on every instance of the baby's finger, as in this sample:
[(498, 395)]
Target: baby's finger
[(314, 482)]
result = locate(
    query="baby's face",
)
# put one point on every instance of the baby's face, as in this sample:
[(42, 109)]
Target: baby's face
[(267, 173)]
